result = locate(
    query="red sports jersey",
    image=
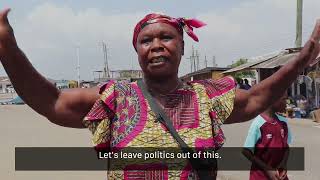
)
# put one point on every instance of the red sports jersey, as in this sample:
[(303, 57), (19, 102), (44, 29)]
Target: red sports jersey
[(268, 139)]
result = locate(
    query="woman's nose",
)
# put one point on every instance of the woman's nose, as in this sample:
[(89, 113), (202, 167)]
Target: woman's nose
[(157, 45)]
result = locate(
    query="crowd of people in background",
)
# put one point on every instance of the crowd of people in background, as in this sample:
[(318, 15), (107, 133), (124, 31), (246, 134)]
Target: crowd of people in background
[(243, 84)]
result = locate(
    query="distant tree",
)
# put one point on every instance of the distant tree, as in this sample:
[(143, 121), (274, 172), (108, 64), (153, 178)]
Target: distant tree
[(242, 74)]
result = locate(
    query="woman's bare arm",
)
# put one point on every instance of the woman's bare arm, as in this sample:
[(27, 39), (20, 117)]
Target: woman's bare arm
[(66, 108), (249, 104)]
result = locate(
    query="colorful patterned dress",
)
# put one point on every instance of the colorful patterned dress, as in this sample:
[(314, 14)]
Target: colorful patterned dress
[(122, 118)]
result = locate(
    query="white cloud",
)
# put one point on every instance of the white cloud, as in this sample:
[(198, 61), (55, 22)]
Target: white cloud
[(49, 34), (253, 28)]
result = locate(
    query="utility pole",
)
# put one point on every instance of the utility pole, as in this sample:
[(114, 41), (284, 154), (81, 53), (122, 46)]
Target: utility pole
[(205, 61), (78, 65), (106, 73), (197, 60), (192, 61), (190, 64), (214, 64), (298, 42)]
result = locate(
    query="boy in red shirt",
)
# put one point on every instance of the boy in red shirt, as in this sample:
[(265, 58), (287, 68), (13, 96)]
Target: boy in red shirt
[(267, 142)]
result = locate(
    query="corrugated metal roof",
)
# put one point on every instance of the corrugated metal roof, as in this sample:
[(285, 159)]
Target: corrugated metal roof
[(268, 62), (276, 61)]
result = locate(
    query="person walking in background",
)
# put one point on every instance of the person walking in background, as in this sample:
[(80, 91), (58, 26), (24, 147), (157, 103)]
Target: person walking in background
[(240, 84), (246, 84)]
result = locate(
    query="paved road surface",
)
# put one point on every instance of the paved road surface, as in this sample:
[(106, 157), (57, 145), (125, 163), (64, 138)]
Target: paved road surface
[(20, 126)]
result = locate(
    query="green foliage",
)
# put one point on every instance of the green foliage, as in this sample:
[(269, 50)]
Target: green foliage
[(239, 62), (242, 74)]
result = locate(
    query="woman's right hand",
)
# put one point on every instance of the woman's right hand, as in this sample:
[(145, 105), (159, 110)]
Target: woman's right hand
[(7, 39)]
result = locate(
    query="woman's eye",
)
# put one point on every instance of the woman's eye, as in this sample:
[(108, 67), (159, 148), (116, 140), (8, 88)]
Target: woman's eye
[(166, 38), (145, 41)]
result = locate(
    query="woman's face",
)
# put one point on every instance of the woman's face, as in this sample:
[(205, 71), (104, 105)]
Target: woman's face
[(159, 48)]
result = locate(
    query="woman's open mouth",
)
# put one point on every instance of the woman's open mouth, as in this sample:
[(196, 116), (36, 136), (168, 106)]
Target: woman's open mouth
[(158, 61)]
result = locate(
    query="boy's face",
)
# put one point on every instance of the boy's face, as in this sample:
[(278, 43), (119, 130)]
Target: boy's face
[(280, 105)]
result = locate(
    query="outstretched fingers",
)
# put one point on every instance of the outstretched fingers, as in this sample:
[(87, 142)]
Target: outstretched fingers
[(4, 16), (315, 36), (312, 50), (7, 38)]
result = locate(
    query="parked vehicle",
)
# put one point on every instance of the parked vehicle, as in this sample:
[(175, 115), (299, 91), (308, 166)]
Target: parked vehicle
[(14, 101)]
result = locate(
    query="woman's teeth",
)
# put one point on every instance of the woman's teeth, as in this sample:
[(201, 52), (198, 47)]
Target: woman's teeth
[(158, 60)]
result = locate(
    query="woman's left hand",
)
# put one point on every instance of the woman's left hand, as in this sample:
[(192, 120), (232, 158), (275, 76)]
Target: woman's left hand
[(313, 50)]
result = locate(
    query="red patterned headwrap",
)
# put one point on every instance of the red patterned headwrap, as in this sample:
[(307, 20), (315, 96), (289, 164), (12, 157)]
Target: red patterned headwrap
[(179, 23)]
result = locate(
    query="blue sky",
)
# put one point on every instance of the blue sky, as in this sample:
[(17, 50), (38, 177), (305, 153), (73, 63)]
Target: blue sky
[(50, 31)]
